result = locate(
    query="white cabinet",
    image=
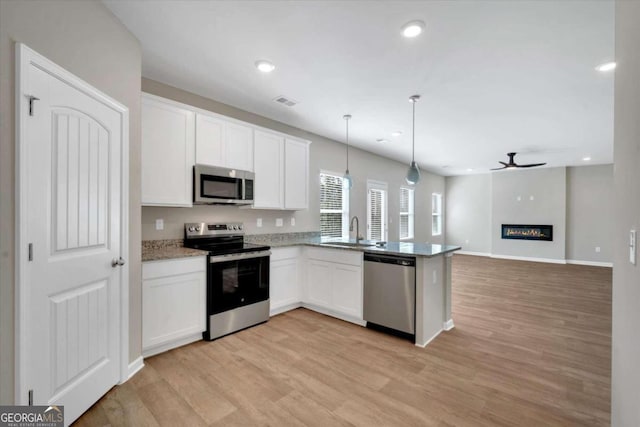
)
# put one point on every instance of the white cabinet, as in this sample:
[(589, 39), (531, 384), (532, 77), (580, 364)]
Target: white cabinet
[(296, 174), (334, 283), (269, 170), (168, 143), (285, 289), (223, 143), (173, 303), (281, 165)]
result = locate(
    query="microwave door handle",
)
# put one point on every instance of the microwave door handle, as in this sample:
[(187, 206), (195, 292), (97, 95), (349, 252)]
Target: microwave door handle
[(243, 196)]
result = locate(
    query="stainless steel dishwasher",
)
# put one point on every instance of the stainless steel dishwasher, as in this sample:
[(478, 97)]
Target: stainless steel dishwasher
[(390, 293)]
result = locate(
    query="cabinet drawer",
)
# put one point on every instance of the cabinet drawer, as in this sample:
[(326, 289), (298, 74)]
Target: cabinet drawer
[(173, 267), (340, 256)]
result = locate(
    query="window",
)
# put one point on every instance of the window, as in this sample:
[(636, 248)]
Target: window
[(436, 214), (334, 206), (376, 210), (406, 213)]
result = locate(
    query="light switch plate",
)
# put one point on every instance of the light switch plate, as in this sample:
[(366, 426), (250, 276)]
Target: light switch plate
[(293, 221), (259, 222), (279, 222), (633, 244), (160, 224)]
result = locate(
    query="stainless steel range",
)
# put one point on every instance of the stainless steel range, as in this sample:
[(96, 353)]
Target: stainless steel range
[(237, 277)]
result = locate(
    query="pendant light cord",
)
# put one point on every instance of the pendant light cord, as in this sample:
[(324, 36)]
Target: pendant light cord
[(413, 136), (347, 123)]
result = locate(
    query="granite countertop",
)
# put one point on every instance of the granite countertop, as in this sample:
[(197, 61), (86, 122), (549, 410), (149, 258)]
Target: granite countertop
[(155, 250)]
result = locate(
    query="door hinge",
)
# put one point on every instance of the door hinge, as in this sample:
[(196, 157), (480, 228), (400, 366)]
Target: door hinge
[(30, 397), (31, 99), (30, 251)]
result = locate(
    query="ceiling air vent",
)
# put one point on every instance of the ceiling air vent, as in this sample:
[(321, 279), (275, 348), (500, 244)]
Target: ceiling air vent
[(285, 101)]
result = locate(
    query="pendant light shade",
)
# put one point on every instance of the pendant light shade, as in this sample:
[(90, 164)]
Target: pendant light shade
[(413, 174), (347, 181)]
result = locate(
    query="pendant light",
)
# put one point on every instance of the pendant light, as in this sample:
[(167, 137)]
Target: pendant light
[(347, 181), (413, 174)]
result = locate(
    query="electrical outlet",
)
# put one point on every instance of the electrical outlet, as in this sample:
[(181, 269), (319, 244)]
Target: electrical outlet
[(466, 242), (519, 198), (598, 249), (530, 197), (160, 224), (435, 277), (632, 246), (293, 222), (259, 222), (279, 222)]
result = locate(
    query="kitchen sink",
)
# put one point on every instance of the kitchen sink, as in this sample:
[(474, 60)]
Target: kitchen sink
[(350, 244)]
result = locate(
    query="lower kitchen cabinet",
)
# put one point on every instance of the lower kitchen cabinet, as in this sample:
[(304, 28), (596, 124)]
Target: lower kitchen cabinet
[(334, 283), (285, 291), (173, 303)]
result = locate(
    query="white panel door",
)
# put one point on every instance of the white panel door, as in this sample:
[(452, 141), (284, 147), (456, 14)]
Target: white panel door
[(210, 140), (73, 168), (167, 153), (238, 143), (346, 286), (318, 283), (296, 176), (269, 170)]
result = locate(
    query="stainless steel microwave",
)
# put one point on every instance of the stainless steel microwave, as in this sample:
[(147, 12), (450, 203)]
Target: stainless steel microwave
[(214, 185)]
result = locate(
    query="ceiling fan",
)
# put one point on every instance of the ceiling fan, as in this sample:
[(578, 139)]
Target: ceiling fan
[(513, 165)]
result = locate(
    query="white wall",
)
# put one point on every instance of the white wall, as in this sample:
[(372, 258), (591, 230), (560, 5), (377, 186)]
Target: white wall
[(511, 203), (325, 154), (577, 202), (86, 39), (590, 213), (468, 212), (625, 376)]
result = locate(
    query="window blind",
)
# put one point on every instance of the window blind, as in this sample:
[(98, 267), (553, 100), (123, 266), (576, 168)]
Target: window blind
[(436, 214), (406, 213), (377, 208), (333, 213)]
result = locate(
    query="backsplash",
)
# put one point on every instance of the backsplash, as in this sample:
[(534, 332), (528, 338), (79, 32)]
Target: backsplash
[(273, 239)]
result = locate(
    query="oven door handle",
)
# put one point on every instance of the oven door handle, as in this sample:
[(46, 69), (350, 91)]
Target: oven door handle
[(238, 257)]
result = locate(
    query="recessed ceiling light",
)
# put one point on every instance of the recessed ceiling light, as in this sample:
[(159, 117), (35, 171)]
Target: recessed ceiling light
[(265, 66), (607, 66), (396, 133), (381, 140), (469, 170), (412, 29), (586, 159)]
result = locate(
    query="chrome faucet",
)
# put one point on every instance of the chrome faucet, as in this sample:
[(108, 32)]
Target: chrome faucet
[(357, 228)]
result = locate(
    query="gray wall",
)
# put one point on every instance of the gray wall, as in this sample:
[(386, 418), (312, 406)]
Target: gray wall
[(590, 213), (547, 187), (468, 212), (86, 39), (625, 378), (579, 200), (325, 154)]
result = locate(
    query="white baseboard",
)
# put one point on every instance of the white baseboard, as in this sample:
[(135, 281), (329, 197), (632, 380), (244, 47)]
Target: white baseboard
[(135, 366), (591, 263), (161, 348), (530, 259), (448, 325), (284, 308), (487, 254), (429, 340)]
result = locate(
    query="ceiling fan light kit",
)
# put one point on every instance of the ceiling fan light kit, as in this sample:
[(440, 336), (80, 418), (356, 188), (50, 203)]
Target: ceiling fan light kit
[(513, 165), (413, 173)]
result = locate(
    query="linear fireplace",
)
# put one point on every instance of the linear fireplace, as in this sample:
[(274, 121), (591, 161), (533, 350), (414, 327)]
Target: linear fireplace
[(527, 232)]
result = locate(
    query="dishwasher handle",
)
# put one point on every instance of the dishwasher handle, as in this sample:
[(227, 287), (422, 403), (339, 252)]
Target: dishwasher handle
[(390, 259)]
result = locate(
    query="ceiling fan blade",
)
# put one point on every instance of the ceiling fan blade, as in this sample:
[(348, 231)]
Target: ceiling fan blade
[(503, 163), (532, 165), (499, 169)]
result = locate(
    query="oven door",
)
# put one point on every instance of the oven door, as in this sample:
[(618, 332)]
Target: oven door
[(237, 280)]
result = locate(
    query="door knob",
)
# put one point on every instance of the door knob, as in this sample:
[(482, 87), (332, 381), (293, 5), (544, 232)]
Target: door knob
[(117, 261)]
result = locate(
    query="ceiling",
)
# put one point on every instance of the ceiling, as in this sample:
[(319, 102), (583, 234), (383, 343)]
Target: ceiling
[(494, 76)]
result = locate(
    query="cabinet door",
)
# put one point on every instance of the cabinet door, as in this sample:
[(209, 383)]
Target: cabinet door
[(269, 170), (210, 140), (172, 308), (284, 286), (238, 141), (346, 287), (296, 176), (318, 283), (167, 153)]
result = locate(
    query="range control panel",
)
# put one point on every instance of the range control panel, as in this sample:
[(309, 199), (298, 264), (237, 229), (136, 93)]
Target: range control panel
[(203, 229)]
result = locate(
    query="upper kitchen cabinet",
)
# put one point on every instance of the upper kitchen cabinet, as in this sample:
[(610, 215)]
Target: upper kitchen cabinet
[(168, 144), (223, 143), (281, 165)]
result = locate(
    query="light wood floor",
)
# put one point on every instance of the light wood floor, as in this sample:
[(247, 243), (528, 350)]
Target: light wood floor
[(531, 347)]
